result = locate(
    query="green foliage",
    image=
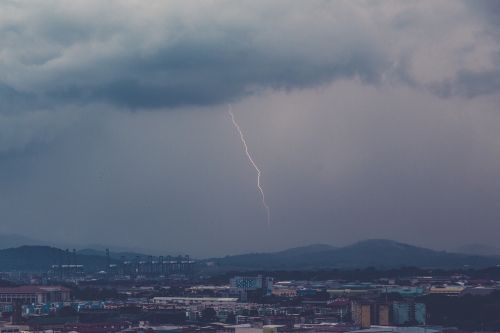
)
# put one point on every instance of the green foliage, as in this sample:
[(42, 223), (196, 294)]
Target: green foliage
[(467, 312), (91, 294), (231, 318), (67, 311), (208, 315)]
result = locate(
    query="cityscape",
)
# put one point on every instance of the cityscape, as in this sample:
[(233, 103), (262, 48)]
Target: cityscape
[(140, 293), (250, 166)]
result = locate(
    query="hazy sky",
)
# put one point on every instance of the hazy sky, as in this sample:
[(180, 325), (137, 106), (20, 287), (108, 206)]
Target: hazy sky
[(368, 119)]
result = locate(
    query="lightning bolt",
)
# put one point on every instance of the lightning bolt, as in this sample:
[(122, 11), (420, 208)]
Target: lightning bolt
[(252, 162)]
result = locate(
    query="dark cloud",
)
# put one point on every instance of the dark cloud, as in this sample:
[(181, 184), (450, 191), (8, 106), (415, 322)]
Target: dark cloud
[(367, 118), (214, 54), (12, 100), (470, 84), (489, 9), (212, 57), (211, 82), (200, 72)]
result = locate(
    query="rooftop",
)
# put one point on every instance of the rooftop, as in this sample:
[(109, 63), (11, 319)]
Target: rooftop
[(31, 289)]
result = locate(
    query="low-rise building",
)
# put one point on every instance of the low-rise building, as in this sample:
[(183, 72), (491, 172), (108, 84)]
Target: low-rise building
[(34, 294)]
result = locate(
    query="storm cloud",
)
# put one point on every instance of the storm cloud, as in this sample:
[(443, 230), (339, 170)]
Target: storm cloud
[(168, 54), (368, 118)]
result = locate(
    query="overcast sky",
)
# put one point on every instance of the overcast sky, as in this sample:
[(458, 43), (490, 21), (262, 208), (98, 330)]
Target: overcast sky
[(368, 119)]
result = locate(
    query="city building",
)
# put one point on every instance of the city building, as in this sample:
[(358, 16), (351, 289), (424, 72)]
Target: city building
[(367, 313), (251, 286), (361, 314), (451, 290), (34, 294), (404, 313), (206, 301)]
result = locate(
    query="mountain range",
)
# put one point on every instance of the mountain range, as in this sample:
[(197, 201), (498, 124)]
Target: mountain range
[(377, 253), (41, 258), (8, 241)]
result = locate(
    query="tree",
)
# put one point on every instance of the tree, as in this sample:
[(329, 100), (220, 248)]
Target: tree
[(208, 315), (67, 311), (231, 318), (253, 313)]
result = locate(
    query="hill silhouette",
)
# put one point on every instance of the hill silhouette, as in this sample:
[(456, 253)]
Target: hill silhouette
[(41, 258), (380, 253)]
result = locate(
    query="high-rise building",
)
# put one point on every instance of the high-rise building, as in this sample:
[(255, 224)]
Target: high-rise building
[(420, 313), (383, 314), (367, 313), (361, 314), (408, 312)]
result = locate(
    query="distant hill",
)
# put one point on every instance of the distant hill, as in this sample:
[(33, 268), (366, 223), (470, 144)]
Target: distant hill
[(8, 241), (286, 259), (378, 253), (40, 258), (305, 250)]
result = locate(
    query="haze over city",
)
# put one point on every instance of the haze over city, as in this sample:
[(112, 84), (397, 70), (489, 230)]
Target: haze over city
[(367, 119)]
